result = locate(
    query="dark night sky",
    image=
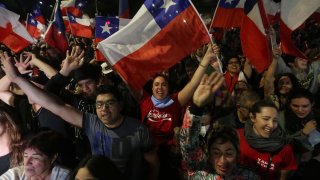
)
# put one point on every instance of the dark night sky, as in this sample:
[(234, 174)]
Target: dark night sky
[(105, 7)]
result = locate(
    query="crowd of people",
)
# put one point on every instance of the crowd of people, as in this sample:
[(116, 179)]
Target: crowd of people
[(67, 117)]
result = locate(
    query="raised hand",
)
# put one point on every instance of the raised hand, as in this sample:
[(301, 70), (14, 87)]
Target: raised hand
[(276, 52), (23, 64), (309, 127), (207, 88), (73, 60), (10, 70), (211, 53)]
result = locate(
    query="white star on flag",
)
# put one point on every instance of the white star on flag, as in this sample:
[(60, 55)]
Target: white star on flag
[(167, 4), (229, 1), (106, 28)]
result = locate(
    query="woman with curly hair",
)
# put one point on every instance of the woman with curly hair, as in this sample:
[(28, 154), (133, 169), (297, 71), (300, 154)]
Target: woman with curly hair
[(10, 142)]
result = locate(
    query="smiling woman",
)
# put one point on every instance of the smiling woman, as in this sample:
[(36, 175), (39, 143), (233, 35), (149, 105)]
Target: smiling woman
[(263, 145), (40, 154)]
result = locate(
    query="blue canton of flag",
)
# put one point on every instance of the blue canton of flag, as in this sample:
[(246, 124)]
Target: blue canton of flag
[(80, 4), (31, 20), (163, 11), (71, 18), (58, 21), (248, 5), (106, 26), (36, 12), (228, 3)]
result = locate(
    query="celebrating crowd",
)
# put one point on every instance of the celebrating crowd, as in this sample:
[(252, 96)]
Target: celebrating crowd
[(68, 117)]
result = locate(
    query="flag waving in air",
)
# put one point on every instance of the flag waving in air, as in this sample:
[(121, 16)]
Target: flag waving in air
[(79, 27), (75, 7), (35, 23), (105, 27), (229, 13), (293, 14), (55, 35), (12, 33), (254, 41), (159, 35)]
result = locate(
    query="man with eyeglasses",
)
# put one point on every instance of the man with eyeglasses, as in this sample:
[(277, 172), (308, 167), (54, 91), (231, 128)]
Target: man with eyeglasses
[(125, 140)]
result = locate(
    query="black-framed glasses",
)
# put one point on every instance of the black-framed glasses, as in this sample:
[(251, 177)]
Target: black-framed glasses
[(106, 104)]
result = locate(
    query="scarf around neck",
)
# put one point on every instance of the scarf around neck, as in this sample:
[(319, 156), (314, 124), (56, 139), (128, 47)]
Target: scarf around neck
[(230, 81), (272, 144), (161, 103)]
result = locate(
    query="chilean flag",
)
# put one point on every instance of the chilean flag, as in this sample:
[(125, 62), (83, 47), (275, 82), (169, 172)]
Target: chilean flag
[(105, 27), (35, 23), (254, 41), (12, 33), (124, 9), (75, 7), (293, 14), (159, 35), (55, 35), (80, 27), (229, 13)]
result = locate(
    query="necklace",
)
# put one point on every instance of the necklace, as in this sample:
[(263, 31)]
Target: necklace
[(35, 114)]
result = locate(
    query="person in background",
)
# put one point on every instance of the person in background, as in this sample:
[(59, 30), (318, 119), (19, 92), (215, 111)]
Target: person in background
[(161, 111), (277, 87), (96, 167), (234, 73), (300, 121), (236, 119), (223, 141), (263, 144), (10, 142), (126, 141), (39, 159)]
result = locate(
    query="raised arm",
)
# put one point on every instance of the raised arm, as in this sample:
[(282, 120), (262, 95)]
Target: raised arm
[(247, 68), (73, 60), (46, 68), (5, 95), (186, 93), (48, 101), (189, 135), (270, 73)]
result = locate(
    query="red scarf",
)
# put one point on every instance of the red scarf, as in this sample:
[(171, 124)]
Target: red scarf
[(230, 81)]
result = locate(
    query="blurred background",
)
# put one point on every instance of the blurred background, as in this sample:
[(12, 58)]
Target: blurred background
[(104, 7)]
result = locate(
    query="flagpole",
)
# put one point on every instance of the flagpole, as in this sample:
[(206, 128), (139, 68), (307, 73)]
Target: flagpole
[(54, 10), (214, 14), (267, 26), (69, 24), (27, 20), (212, 38)]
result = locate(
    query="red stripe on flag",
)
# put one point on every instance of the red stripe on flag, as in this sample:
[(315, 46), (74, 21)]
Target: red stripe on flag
[(99, 56), (142, 65), (15, 42), (287, 45), (227, 18), (255, 45), (33, 31)]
